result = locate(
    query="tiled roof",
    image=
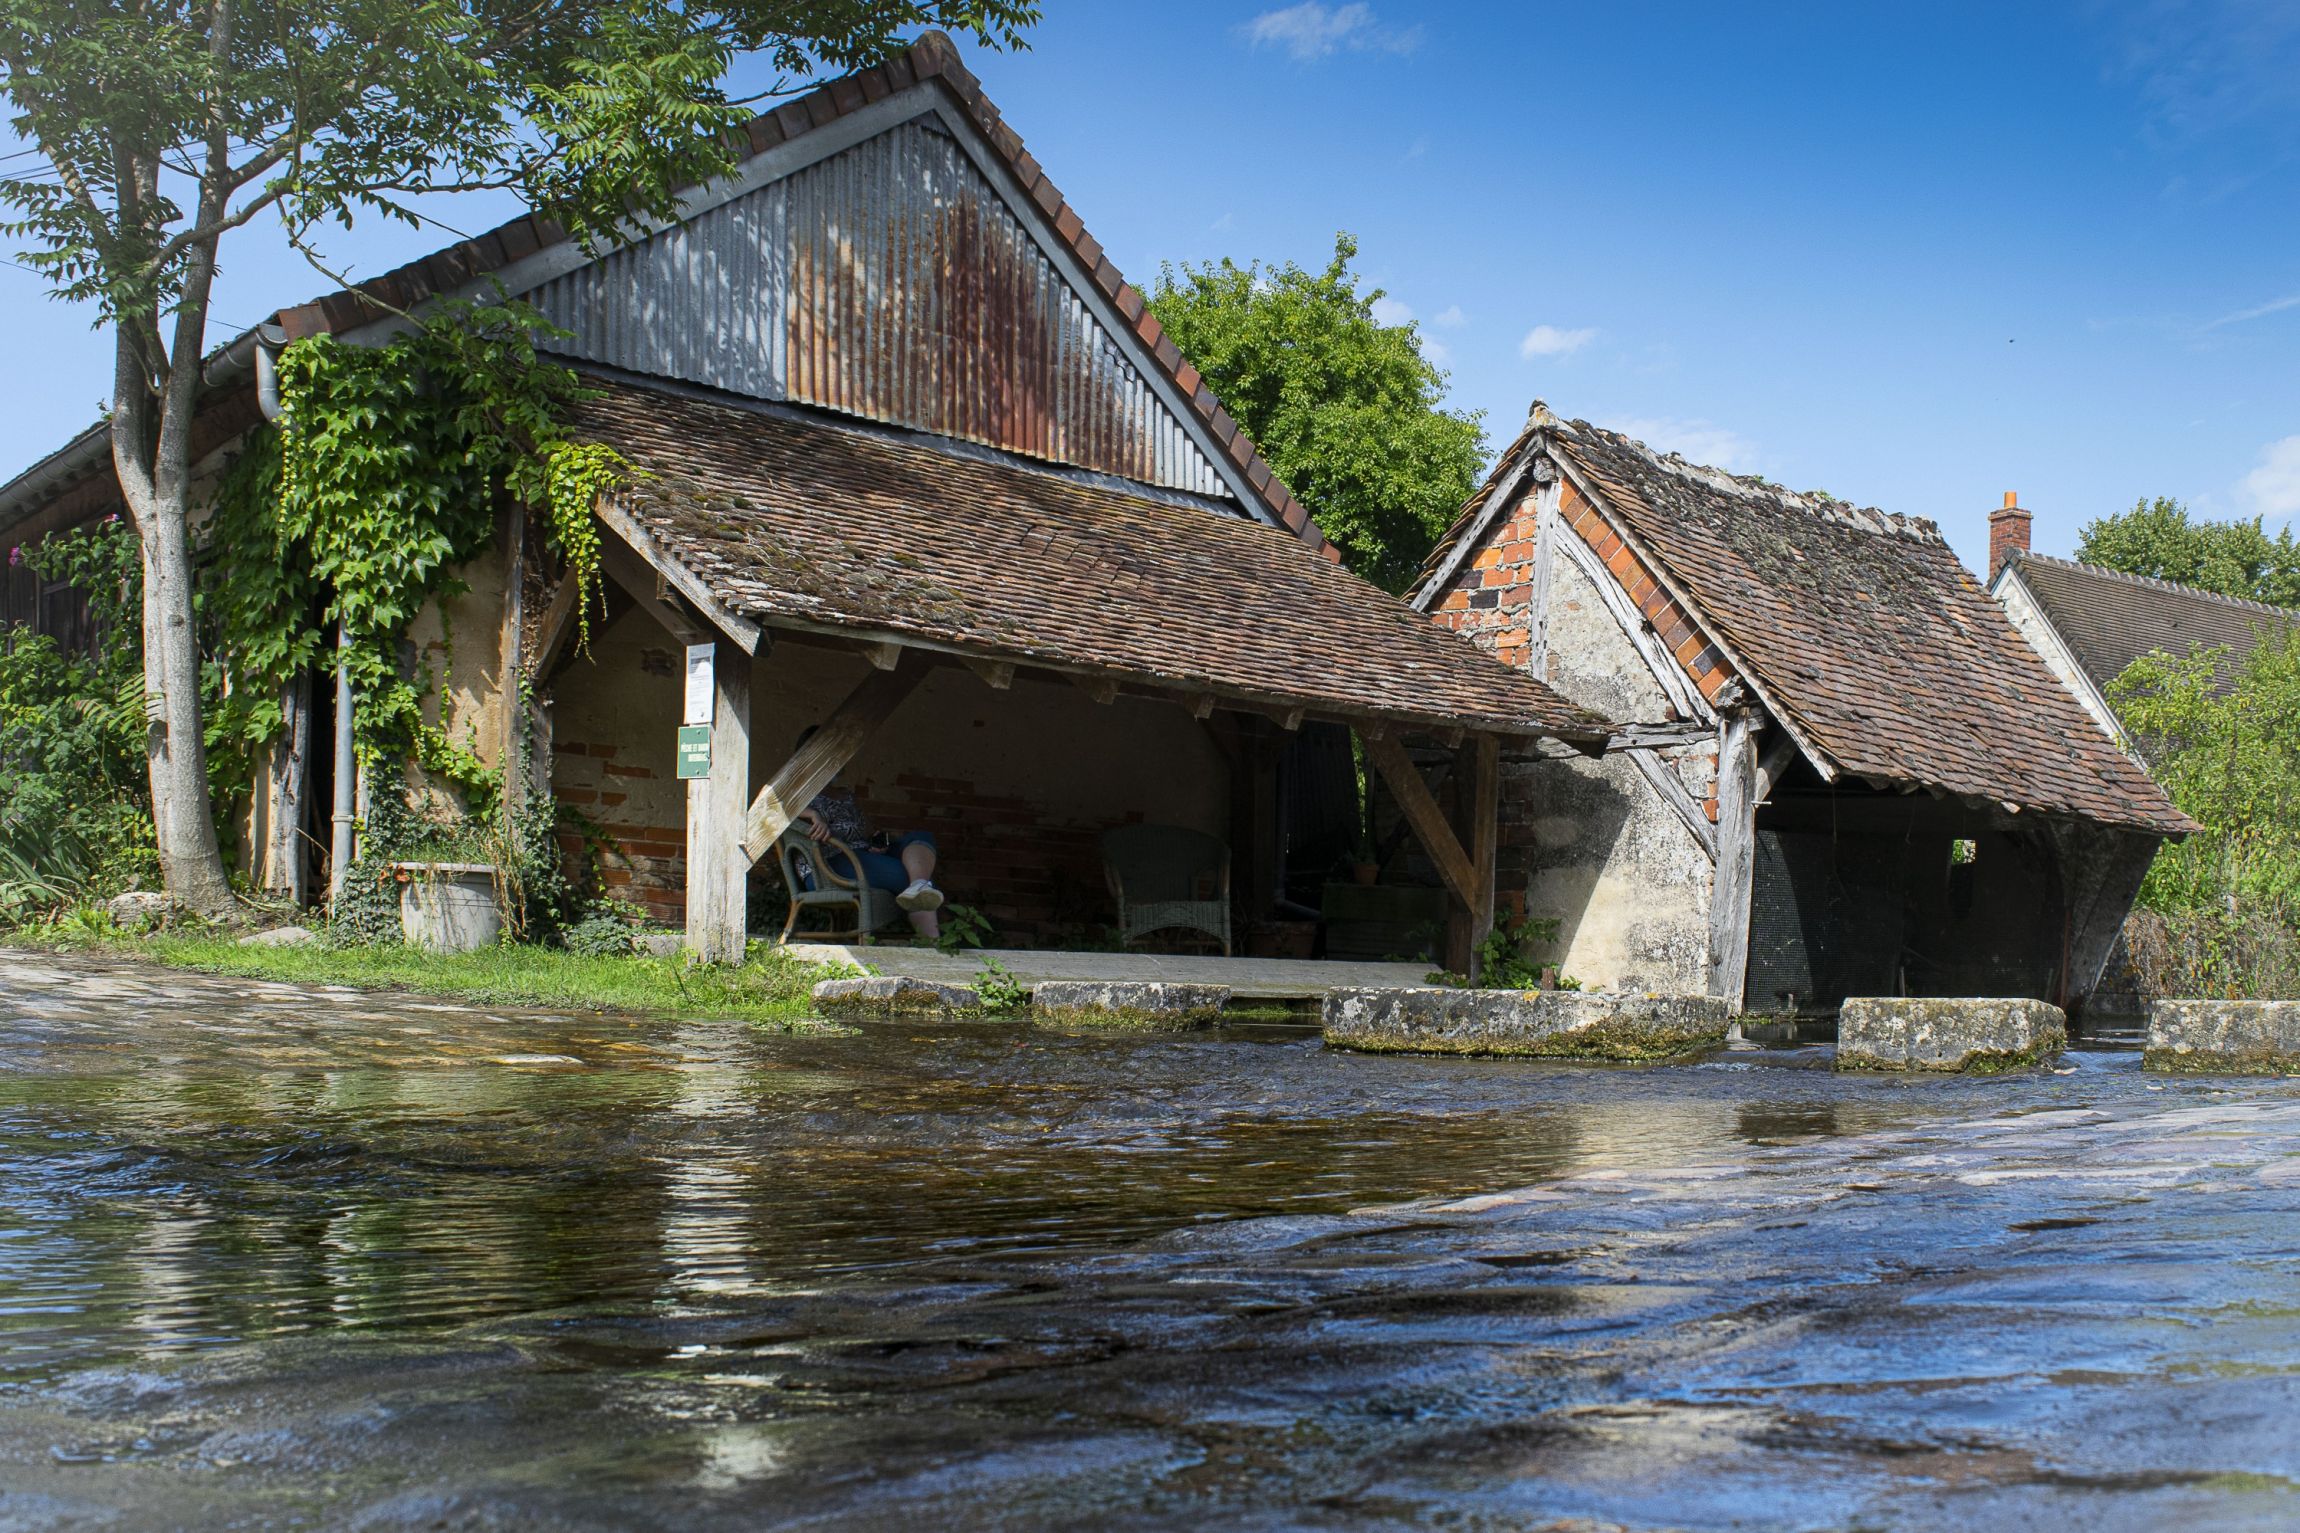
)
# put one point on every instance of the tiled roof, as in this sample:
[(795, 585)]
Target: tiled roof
[(821, 524), (2109, 619), (1861, 629)]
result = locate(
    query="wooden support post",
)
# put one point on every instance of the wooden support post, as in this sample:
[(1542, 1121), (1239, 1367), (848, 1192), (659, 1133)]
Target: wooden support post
[(1101, 688), (1420, 808), (718, 904), (1202, 706), (557, 629), (1484, 839), (1290, 720), (884, 654), (1779, 755), (288, 771), (815, 763), (1736, 859)]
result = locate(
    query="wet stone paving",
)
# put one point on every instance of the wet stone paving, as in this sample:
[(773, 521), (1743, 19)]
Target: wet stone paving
[(274, 1257)]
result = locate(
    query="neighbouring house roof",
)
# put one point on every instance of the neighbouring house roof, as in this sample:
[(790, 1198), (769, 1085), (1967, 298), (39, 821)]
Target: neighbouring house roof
[(932, 61), (1858, 629), (2108, 619), (804, 521)]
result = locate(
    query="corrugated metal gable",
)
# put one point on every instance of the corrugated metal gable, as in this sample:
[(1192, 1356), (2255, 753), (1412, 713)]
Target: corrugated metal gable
[(892, 282)]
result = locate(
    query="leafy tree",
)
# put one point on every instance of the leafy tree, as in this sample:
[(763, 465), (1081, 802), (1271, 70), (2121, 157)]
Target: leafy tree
[(1346, 408), (160, 126), (2160, 538), (73, 814), (2230, 896)]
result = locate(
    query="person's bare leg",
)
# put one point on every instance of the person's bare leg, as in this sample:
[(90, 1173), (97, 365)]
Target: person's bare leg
[(918, 860), (927, 923)]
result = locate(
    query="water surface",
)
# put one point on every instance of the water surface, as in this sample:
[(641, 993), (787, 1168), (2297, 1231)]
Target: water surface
[(269, 1254)]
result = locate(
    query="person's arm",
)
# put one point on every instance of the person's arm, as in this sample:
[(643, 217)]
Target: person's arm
[(817, 828)]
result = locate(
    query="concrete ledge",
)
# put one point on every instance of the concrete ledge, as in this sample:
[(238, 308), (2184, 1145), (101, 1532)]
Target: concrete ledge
[(2223, 1038), (1539, 1024), (1977, 1037), (894, 996), (1127, 1003)]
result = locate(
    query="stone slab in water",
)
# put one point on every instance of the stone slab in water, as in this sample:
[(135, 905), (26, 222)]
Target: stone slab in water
[(1128, 1003), (1540, 1024), (2224, 1037), (894, 995), (1948, 1034)]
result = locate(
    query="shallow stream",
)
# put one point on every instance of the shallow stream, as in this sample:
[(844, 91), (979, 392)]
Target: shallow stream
[(274, 1257)]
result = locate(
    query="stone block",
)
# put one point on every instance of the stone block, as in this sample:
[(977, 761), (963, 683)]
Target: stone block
[(280, 936), (2224, 1037), (1974, 1035), (1538, 1024), (138, 908), (1128, 1003), (894, 995)]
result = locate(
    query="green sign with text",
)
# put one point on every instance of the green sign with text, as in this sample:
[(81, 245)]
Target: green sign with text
[(694, 750)]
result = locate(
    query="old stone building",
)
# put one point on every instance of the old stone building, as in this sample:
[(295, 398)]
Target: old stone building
[(1850, 774)]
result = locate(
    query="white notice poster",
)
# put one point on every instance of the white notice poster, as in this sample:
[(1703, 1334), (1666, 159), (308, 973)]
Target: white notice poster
[(699, 687)]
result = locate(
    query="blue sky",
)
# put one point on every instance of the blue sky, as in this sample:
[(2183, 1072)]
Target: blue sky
[(1915, 256)]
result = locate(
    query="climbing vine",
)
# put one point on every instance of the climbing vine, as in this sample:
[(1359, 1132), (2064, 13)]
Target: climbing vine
[(384, 472)]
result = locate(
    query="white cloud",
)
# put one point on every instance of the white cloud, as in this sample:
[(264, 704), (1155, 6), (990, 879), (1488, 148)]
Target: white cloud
[(2273, 488), (1450, 317), (1311, 31), (2257, 311), (1388, 311), (1699, 441), (1437, 351), (1549, 341)]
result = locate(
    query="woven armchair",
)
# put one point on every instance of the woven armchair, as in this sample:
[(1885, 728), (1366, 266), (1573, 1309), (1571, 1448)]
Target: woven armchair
[(807, 873), (1166, 876)]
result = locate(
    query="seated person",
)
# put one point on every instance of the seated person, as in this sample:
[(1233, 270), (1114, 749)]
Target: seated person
[(903, 865)]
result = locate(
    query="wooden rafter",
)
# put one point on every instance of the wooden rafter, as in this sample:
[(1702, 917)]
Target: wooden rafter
[(1421, 811), (830, 748)]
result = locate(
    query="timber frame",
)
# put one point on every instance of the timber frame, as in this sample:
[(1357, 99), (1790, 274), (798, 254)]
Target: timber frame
[(729, 828)]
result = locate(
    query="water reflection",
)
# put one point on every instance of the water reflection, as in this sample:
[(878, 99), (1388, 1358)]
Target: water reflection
[(193, 1163)]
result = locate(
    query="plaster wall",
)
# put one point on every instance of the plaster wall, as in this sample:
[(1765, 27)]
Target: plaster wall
[(1591, 843)]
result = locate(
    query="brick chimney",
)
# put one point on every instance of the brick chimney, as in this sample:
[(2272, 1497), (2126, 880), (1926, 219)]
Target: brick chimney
[(2008, 532)]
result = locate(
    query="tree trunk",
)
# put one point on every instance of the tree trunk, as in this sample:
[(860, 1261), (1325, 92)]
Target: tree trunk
[(157, 491)]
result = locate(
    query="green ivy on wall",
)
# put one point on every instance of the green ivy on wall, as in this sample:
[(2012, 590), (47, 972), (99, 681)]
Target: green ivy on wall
[(385, 471)]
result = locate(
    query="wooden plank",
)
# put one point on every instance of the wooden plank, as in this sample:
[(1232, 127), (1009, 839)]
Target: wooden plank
[(639, 581), (1290, 720), (998, 675), (1780, 752), (1546, 530), (1101, 688), (557, 628), (718, 903), (634, 539), (831, 747), (1499, 505), (1201, 706), (1484, 834), (885, 654), (1421, 811), (1683, 695), (1671, 788), (1736, 859)]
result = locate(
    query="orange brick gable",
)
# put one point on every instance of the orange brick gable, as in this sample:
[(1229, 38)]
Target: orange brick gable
[(1491, 600)]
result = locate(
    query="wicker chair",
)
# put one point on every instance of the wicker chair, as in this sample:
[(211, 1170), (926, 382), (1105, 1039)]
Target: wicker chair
[(815, 885), (1159, 875)]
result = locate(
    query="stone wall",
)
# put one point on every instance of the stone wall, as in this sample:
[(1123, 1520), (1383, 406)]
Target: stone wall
[(1590, 844)]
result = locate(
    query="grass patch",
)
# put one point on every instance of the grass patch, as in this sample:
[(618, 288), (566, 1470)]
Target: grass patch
[(770, 988)]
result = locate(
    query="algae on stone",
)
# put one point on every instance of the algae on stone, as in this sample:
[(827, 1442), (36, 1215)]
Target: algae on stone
[(1948, 1035), (1529, 1024)]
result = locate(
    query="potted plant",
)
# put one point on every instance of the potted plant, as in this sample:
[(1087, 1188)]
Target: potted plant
[(1365, 862)]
